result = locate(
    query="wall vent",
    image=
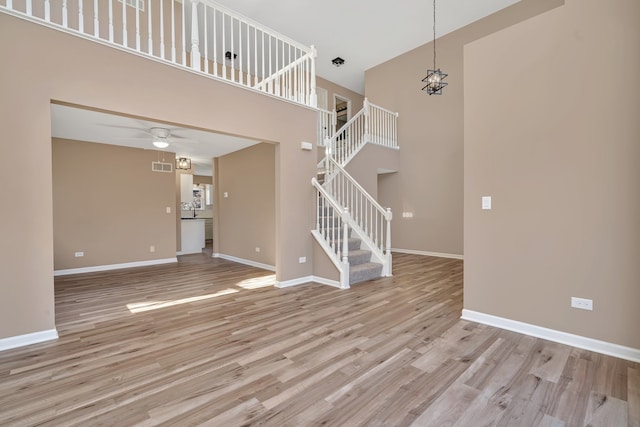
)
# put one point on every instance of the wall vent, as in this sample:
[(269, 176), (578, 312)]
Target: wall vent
[(132, 3), (161, 167)]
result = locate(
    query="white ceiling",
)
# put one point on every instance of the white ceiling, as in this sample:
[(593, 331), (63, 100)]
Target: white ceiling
[(364, 33), (92, 126)]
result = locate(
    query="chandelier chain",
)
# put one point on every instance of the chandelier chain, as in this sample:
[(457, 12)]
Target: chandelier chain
[(434, 34)]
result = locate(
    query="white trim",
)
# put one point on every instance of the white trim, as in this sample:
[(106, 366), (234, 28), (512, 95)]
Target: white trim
[(114, 266), (308, 279), (244, 261), (436, 254), (28, 339), (610, 349)]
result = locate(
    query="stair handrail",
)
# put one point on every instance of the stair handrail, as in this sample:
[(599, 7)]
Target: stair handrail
[(367, 217), (348, 139), (329, 240)]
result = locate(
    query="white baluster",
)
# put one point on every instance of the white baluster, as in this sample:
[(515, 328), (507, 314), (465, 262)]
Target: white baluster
[(233, 62), (184, 35), (29, 8), (65, 22), (224, 46), (239, 49), (9, 4), (96, 20), (111, 21), (173, 32), (205, 33), (215, 43), (149, 29), (255, 58), (137, 25), (47, 10), (80, 16), (162, 29), (125, 37)]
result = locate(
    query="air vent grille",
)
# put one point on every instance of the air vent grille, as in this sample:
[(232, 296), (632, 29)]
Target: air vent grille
[(161, 167)]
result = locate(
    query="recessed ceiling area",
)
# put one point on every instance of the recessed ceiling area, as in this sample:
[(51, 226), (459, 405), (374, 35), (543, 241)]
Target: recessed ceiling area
[(103, 128), (363, 32)]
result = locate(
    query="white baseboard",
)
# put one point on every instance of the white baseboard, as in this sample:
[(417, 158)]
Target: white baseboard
[(28, 339), (244, 261), (307, 279), (610, 349), (436, 254), (114, 266)]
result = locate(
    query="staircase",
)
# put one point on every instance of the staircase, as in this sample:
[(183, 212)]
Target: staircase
[(351, 227)]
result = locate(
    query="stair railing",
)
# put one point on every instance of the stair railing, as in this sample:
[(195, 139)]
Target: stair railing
[(326, 125), (201, 35), (295, 82), (372, 124), (332, 231), (370, 221)]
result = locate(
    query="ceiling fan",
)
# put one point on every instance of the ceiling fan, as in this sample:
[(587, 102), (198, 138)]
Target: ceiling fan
[(161, 137)]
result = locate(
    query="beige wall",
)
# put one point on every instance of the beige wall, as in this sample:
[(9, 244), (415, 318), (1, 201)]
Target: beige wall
[(357, 100), (89, 74), (247, 215), (555, 140), (426, 195), (109, 204), (365, 165)]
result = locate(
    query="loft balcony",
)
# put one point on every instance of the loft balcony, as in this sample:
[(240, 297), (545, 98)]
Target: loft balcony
[(199, 35)]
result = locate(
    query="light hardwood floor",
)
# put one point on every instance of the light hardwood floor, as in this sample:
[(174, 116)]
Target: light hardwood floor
[(211, 342)]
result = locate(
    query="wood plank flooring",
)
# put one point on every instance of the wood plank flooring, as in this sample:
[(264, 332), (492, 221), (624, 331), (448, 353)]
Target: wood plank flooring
[(211, 342)]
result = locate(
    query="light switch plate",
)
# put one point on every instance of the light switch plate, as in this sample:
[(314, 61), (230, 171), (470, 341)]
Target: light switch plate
[(486, 202)]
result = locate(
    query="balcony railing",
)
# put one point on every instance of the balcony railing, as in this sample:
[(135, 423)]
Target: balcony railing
[(199, 34)]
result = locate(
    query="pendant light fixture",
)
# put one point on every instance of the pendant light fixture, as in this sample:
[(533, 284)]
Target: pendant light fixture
[(435, 77), (183, 163)]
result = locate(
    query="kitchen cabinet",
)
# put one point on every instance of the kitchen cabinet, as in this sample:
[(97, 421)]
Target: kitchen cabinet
[(186, 188)]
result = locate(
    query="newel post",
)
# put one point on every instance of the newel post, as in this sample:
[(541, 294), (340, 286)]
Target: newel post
[(389, 217), (195, 37), (313, 96), (345, 238)]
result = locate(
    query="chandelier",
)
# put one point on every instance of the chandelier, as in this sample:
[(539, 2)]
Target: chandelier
[(435, 77)]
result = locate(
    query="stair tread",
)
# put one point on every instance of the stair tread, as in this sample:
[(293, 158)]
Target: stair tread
[(365, 266), (356, 252)]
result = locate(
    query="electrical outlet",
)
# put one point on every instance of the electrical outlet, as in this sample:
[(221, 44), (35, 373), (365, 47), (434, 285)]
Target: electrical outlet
[(582, 303), (168, 209), (302, 259), (257, 249), (225, 195), (79, 254), (152, 248)]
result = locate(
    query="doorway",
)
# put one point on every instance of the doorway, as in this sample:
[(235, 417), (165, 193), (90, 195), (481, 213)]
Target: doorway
[(342, 106)]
